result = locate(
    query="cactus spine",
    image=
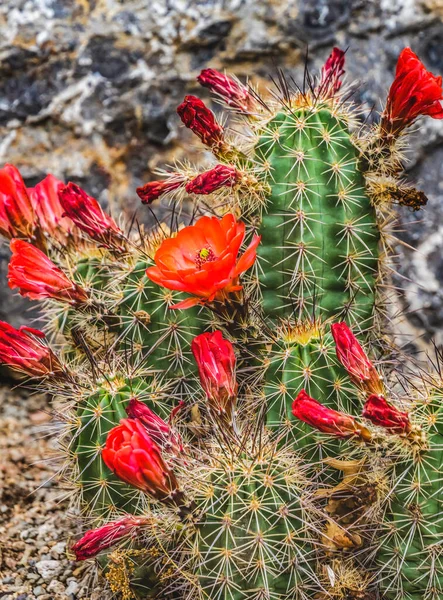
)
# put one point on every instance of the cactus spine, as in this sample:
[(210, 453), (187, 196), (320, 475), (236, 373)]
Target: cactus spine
[(260, 483)]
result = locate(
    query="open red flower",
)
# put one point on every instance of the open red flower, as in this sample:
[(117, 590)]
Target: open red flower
[(233, 92), (216, 361), (46, 203), (135, 458), (154, 189), (17, 216), (326, 419), (331, 74), (96, 540), (202, 259), (89, 216), (25, 350), (214, 179), (201, 121), (414, 92), (380, 413), (37, 277), (354, 359), (159, 431)]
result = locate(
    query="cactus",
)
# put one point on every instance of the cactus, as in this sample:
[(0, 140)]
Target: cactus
[(231, 428)]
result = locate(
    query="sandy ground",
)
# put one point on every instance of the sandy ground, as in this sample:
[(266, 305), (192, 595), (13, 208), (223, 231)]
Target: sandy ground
[(35, 529)]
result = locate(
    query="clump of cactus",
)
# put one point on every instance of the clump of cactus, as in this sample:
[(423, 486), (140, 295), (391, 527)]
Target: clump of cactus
[(238, 421)]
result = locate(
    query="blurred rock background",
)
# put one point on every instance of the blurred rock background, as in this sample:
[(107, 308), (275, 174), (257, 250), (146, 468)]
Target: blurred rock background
[(88, 91)]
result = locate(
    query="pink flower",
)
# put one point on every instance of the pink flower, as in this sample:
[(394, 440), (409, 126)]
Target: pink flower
[(37, 277), (414, 92), (154, 189), (216, 362), (25, 349), (233, 93), (326, 419), (331, 74), (354, 359), (195, 115), (46, 203), (380, 413), (135, 458), (96, 540), (89, 216), (210, 181), (159, 431), (17, 216)]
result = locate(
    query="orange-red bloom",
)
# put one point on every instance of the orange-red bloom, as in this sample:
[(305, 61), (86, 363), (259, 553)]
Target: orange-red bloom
[(212, 180), (89, 216), (233, 92), (96, 540), (354, 359), (200, 120), (154, 189), (216, 361), (202, 259), (25, 349), (17, 216), (135, 458), (46, 203), (379, 412), (37, 277), (159, 431), (414, 92), (326, 419), (331, 74)]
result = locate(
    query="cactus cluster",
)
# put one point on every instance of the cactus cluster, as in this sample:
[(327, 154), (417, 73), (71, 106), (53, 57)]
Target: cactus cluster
[(238, 422)]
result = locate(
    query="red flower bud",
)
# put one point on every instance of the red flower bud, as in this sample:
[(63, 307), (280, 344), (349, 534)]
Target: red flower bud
[(331, 74), (17, 216), (326, 419), (208, 182), (25, 349), (159, 431), (96, 540), (135, 458), (37, 277), (414, 92), (233, 92), (46, 203), (89, 216), (380, 413), (154, 189), (195, 115), (216, 361), (354, 359)]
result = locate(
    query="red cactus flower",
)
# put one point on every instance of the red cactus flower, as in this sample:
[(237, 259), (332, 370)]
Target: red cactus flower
[(135, 458), (197, 116), (331, 74), (210, 181), (380, 413), (46, 203), (216, 361), (233, 92), (159, 431), (203, 260), (17, 216), (154, 189), (25, 350), (354, 359), (326, 419), (414, 92), (96, 540), (89, 216), (37, 277)]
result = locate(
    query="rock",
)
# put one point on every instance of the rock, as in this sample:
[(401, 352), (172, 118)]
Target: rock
[(72, 588), (48, 569), (58, 549)]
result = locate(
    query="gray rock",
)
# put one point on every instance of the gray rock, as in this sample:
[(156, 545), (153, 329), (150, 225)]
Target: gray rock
[(48, 569)]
